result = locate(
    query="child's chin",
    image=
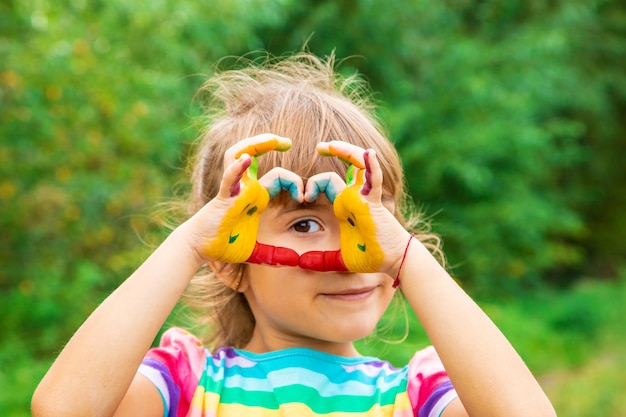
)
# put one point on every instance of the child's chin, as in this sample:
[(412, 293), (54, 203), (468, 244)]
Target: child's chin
[(354, 333)]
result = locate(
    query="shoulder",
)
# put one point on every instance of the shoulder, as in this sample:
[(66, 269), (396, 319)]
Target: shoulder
[(428, 383), (180, 357), (426, 362), (176, 336), (178, 341), (175, 367)]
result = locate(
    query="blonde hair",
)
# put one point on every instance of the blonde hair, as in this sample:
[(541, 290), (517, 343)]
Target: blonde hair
[(300, 97)]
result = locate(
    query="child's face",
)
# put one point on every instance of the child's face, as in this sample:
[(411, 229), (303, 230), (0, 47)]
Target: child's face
[(297, 307)]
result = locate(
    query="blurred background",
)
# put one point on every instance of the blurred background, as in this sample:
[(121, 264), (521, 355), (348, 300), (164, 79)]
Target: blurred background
[(510, 117)]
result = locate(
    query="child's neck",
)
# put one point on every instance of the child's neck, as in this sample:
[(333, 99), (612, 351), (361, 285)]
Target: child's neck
[(263, 343)]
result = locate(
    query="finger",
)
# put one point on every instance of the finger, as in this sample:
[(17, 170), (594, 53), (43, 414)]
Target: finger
[(231, 185), (347, 152), (373, 181), (329, 183), (278, 179), (257, 145), (273, 255)]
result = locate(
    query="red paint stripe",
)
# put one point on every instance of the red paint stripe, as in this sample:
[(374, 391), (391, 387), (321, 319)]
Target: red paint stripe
[(322, 261), (273, 255)]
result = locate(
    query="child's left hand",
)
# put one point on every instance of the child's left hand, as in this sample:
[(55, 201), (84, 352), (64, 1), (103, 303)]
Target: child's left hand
[(372, 239)]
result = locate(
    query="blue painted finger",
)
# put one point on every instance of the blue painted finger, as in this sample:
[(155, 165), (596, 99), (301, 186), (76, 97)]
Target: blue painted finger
[(323, 186), (279, 184)]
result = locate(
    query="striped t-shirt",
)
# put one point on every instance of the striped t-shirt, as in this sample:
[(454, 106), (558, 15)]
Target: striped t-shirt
[(291, 382)]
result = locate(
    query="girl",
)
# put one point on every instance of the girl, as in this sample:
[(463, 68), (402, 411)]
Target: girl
[(291, 264)]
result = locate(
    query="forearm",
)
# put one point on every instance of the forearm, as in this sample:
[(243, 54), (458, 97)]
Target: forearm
[(487, 372), (94, 370)]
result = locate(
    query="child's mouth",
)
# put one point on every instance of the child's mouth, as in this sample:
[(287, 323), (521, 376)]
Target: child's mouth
[(351, 294)]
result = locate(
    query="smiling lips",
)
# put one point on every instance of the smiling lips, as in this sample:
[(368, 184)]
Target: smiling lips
[(322, 261), (351, 294)]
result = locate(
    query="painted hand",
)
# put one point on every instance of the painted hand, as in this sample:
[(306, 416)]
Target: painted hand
[(372, 239), (233, 224)]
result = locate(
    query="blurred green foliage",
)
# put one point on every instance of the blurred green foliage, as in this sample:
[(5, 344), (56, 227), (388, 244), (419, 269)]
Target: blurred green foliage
[(509, 120), (508, 116)]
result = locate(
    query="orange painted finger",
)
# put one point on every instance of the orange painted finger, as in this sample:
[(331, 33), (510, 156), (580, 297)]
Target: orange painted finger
[(258, 145), (347, 152)]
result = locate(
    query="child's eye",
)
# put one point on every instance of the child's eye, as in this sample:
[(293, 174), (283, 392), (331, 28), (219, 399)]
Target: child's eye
[(306, 226)]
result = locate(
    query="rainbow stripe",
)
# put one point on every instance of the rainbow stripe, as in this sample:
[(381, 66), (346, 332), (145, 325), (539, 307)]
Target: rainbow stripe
[(297, 381)]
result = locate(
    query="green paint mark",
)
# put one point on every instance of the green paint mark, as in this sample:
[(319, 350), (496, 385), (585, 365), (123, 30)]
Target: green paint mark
[(252, 211), (231, 239), (350, 175), (361, 247), (253, 169)]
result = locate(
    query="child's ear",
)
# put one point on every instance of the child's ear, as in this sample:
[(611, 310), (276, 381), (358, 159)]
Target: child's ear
[(231, 275)]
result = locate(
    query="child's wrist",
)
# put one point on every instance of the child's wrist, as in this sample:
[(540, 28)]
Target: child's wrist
[(418, 263), (188, 240), (402, 259)]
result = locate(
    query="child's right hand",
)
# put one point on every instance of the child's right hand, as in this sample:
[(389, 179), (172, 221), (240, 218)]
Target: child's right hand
[(225, 229)]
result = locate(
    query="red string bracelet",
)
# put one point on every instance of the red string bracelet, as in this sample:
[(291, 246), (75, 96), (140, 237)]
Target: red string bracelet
[(396, 281)]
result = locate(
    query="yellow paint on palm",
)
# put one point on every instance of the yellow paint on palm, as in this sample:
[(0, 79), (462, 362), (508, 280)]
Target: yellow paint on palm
[(360, 249), (237, 233)]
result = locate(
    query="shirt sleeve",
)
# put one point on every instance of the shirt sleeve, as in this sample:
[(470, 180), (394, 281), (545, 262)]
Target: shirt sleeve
[(175, 368), (429, 387)]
